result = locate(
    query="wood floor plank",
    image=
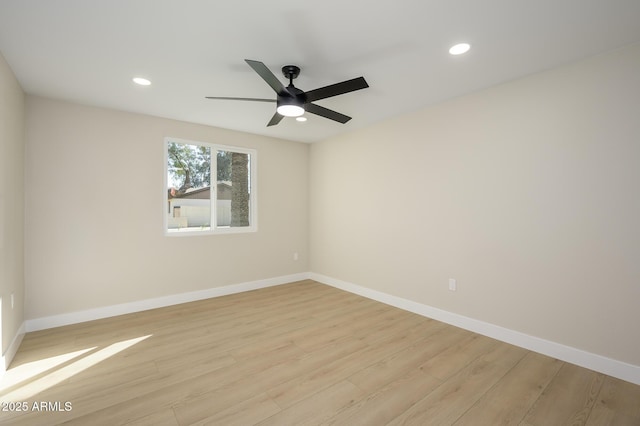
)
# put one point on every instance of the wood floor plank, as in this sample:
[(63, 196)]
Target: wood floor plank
[(411, 357), (617, 404), (300, 353), (454, 397), (248, 412), (347, 324), (510, 399), (378, 331), (457, 356), (322, 406), (173, 389), (385, 402), (305, 385), (195, 408), (568, 399), (159, 418)]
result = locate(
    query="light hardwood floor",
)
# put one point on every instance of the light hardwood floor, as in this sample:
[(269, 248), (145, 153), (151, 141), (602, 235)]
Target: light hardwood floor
[(297, 354)]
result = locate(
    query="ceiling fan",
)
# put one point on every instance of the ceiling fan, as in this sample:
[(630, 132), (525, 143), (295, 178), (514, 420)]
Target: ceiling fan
[(293, 102)]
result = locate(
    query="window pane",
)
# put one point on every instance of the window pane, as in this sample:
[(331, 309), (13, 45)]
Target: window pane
[(194, 204), (233, 203), (189, 192)]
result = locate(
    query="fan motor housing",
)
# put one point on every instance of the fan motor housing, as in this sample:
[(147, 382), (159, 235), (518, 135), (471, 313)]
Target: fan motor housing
[(297, 97)]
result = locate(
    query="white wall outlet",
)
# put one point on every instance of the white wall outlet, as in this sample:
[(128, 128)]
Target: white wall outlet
[(12, 300), (295, 256), (452, 284)]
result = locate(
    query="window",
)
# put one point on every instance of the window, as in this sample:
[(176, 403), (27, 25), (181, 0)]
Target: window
[(193, 204)]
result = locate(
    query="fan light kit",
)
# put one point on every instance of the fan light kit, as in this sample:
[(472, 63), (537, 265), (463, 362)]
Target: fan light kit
[(141, 81), (293, 102), (460, 48), (288, 108)]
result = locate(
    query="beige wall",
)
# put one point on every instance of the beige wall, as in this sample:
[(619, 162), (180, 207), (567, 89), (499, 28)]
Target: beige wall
[(94, 205), (527, 193), (11, 204)]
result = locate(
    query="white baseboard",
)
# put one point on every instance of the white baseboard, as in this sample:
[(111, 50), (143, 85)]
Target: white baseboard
[(159, 302), (611, 367), (608, 366), (7, 357)]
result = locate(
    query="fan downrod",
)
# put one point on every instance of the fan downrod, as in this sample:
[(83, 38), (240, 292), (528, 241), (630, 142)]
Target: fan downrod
[(291, 72)]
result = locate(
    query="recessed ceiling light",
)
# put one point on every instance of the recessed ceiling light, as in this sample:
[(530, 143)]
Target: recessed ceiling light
[(141, 81), (460, 48), (301, 118)]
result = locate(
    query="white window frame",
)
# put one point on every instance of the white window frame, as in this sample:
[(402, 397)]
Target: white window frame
[(214, 228)]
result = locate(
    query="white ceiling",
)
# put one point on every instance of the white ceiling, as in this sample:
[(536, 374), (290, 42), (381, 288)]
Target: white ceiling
[(87, 51)]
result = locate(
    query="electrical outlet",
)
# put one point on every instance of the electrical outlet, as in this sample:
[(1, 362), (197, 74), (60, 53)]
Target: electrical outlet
[(12, 300), (452, 284), (295, 256)]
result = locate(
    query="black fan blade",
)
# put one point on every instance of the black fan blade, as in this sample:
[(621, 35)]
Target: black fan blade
[(240, 99), (275, 119), (337, 89), (268, 76), (326, 113)]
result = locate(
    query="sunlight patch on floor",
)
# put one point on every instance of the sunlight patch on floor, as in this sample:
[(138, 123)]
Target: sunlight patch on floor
[(32, 388), (28, 370)]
